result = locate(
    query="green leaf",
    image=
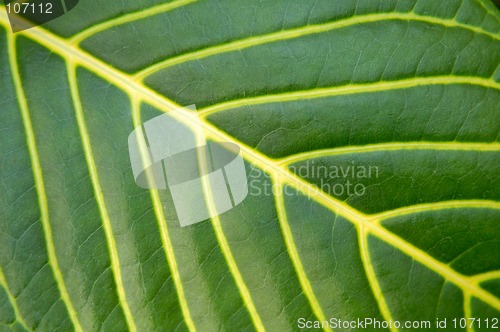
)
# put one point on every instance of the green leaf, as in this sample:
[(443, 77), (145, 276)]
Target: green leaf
[(394, 99)]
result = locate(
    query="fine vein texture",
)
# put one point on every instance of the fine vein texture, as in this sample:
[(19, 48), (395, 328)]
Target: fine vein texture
[(370, 134)]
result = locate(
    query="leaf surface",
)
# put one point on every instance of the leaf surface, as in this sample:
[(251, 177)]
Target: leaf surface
[(317, 94)]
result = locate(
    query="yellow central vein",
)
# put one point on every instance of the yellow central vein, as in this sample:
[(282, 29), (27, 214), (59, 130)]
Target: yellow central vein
[(371, 276), (294, 255), (303, 31), (392, 146), (61, 46), (350, 89), (13, 301), (106, 222), (39, 184), (127, 18), (162, 225)]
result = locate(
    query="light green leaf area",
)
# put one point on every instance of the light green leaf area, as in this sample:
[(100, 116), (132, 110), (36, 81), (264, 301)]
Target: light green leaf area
[(370, 135)]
